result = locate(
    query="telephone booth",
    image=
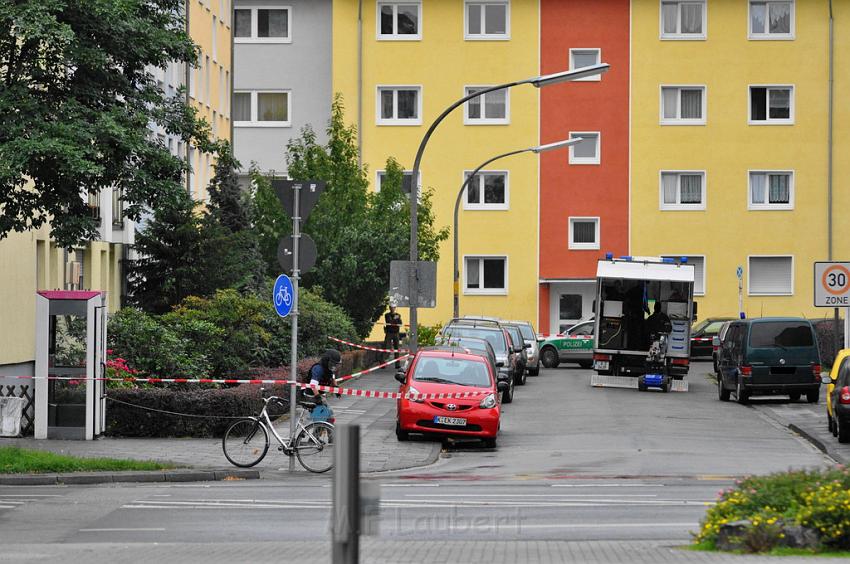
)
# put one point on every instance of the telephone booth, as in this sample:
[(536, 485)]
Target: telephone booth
[(70, 354)]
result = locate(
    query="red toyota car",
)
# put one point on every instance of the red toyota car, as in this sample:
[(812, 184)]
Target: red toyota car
[(449, 370)]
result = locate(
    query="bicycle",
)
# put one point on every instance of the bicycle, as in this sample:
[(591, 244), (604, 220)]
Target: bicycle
[(246, 442), (282, 297)]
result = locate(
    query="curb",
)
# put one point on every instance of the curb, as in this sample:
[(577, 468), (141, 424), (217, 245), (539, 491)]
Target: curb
[(820, 445), (109, 478)]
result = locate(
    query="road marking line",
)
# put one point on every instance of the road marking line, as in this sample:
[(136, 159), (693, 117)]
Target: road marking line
[(529, 495), (602, 525), (30, 495), (607, 485), (122, 530), (410, 485)]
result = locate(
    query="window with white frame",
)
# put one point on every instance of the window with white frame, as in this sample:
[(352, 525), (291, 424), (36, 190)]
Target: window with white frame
[(487, 190), (262, 25), (399, 20), (771, 276), (399, 105), (488, 109), (488, 20), (580, 58), (683, 19), (588, 150), (584, 233), (261, 109), (771, 20), (406, 181), (682, 190), (771, 190), (699, 271), (771, 104), (215, 38), (486, 275), (682, 105)]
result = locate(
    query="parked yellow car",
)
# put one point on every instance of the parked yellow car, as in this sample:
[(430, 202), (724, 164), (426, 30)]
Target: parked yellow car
[(830, 389)]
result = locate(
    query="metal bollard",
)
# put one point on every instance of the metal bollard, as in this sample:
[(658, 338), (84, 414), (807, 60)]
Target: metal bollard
[(345, 520)]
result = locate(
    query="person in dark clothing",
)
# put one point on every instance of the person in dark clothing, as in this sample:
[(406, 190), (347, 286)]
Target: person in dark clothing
[(658, 323), (392, 331), (324, 372)]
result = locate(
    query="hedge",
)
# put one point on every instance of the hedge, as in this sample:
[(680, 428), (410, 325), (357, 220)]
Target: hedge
[(129, 411)]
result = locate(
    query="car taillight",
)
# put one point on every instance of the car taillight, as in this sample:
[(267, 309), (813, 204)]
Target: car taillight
[(816, 371), (845, 395), (601, 357), (746, 371), (680, 361)]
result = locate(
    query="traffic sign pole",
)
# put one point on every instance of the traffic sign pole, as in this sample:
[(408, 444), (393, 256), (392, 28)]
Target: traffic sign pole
[(296, 276)]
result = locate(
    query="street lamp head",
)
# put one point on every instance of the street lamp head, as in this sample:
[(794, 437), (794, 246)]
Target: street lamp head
[(557, 145), (566, 76)]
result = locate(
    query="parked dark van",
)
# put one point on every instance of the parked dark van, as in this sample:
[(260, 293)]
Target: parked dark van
[(771, 355)]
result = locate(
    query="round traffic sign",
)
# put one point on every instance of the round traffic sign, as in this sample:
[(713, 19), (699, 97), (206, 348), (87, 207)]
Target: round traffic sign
[(283, 295), (836, 280)]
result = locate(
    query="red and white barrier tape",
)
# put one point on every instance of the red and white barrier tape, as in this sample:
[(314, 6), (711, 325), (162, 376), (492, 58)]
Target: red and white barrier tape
[(365, 348), (372, 369), (302, 385)]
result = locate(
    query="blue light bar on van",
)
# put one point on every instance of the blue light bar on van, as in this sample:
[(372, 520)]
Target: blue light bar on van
[(684, 260), (668, 260), (609, 256), (626, 258)]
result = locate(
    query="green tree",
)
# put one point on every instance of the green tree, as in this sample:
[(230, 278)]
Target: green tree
[(76, 103), (270, 222), (357, 232), (230, 205)]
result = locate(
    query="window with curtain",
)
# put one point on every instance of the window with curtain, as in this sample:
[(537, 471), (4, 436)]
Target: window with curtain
[(261, 109), (487, 20), (771, 104), (398, 105), (487, 109), (399, 20), (771, 190), (261, 25), (487, 190), (580, 58), (683, 20), (682, 190), (584, 233), (588, 150), (682, 104), (485, 275), (771, 20)]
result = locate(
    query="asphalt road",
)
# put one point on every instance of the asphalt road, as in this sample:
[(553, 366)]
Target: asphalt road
[(574, 464)]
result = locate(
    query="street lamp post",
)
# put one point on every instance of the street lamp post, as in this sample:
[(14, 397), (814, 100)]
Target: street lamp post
[(456, 268), (538, 82)]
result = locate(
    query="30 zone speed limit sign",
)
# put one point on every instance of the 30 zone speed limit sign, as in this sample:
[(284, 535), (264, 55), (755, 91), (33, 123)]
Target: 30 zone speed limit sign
[(832, 284)]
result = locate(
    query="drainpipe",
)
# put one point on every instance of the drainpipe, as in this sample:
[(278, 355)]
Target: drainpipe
[(360, 83), (836, 324)]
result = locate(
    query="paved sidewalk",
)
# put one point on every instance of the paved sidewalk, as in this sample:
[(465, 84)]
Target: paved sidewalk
[(386, 552), (809, 421), (380, 450)]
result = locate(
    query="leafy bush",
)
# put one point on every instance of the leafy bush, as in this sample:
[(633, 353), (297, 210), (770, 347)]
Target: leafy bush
[(427, 335), (130, 412), (153, 348), (819, 499)]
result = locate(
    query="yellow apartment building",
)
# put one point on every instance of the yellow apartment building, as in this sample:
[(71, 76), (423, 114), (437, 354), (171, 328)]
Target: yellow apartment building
[(413, 60), (729, 103)]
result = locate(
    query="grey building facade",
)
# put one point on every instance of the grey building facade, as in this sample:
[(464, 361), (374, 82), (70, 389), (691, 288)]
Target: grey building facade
[(281, 77)]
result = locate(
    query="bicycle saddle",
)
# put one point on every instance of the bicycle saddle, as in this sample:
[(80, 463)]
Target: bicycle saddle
[(307, 404)]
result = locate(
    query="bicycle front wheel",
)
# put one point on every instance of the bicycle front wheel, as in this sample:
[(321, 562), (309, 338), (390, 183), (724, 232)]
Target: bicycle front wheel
[(314, 447), (245, 443)]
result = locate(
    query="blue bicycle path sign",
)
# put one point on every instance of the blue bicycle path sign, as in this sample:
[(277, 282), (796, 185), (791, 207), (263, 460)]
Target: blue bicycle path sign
[(283, 295)]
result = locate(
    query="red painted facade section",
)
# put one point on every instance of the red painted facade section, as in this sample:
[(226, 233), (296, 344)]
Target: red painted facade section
[(600, 190)]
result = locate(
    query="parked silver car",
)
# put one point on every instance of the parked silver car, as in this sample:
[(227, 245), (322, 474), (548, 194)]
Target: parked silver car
[(532, 354)]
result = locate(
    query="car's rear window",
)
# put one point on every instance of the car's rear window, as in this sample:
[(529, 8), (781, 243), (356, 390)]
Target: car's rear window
[(492, 336), (714, 327), (781, 334), (527, 333), (459, 371)]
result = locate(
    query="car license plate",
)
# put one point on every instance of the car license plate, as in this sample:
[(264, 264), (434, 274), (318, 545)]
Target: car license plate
[(456, 421), (600, 365)]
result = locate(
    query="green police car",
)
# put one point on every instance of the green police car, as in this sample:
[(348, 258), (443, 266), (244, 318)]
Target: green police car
[(574, 345)]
